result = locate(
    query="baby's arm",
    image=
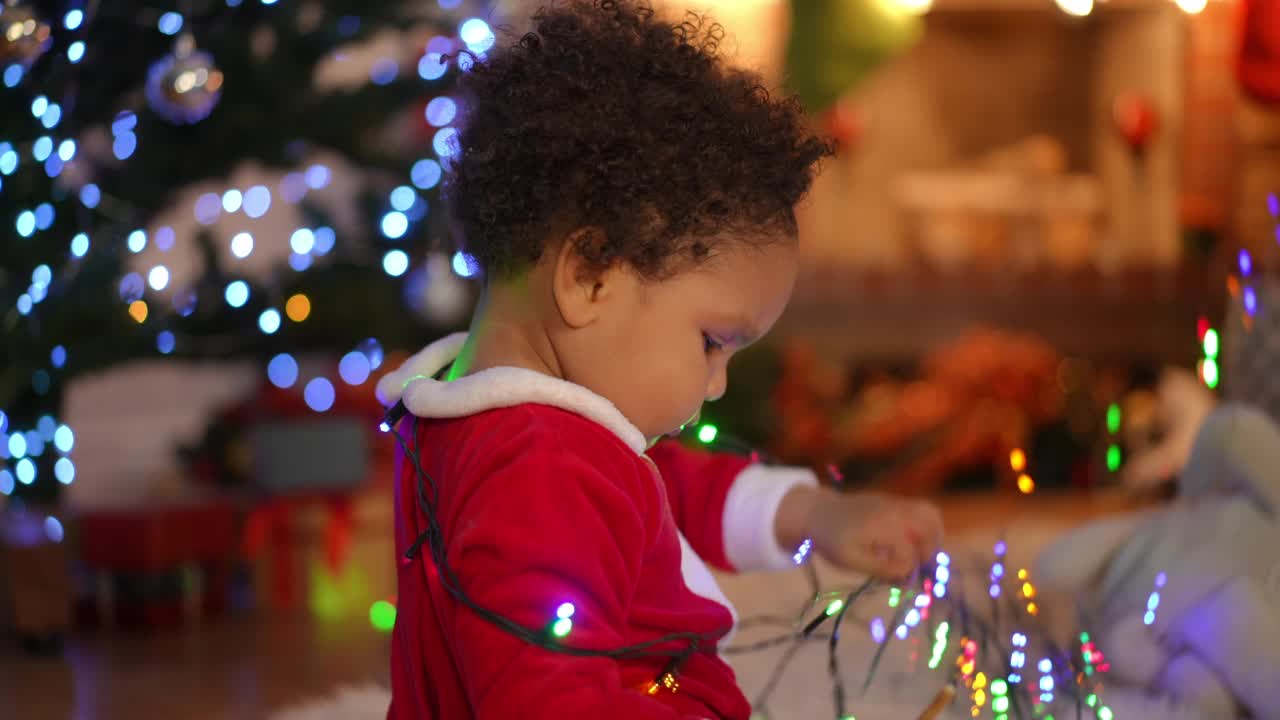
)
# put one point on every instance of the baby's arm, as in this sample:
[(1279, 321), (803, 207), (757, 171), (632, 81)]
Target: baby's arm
[(541, 530), (729, 508)]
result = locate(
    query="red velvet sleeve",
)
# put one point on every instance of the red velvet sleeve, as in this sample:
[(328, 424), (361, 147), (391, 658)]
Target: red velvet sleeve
[(725, 505), (537, 530)]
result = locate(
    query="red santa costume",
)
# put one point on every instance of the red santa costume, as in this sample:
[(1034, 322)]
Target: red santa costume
[(547, 496)]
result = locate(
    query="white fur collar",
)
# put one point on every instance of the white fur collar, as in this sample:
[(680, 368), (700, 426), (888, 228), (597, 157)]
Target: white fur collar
[(424, 396)]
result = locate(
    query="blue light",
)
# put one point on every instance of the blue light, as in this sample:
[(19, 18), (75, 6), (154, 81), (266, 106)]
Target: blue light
[(565, 611), (395, 263), (319, 394), (302, 241), (269, 321), (282, 371), (35, 444), (72, 19), (257, 200), (80, 245), (8, 159), (317, 176), (42, 148), (124, 145), (237, 293), (372, 349), (131, 287), (6, 482), (124, 122), (477, 35), (324, 238), (137, 241), (185, 302), (39, 105), (163, 238), (53, 529), (24, 304), (232, 200), (234, 3), (90, 195), (17, 446), (441, 111), (75, 52), (403, 197), (65, 471), (37, 293), (293, 187), (913, 618), (42, 275), (208, 207), (942, 574), (12, 75), (1045, 665), (52, 116), (4, 421), (465, 265), (1046, 683), (158, 278), (1250, 300), (242, 245), (268, 2), (26, 223), (64, 439), (165, 342), (67, 150), (53, 166), (58, 356), (444, 142), (299, 262), (383, 72), (44, 216), (394, 225), (1153, 601), (425, 174), (940, 590), (432, 66), (26, 471), (170, 23), (1148, 617), (354, 368)]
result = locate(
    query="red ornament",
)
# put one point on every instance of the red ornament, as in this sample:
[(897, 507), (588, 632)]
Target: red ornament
[(845, 122), (1136, 119), (1259, 59)]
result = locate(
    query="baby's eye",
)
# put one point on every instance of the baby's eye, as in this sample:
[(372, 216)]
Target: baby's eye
[(710, 344)]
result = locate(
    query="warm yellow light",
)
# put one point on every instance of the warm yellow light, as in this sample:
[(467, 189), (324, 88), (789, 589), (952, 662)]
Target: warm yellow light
[(1025, 484), (1192, 7), (1018, 460), (298, 308), (138, 311), (1078, 8)]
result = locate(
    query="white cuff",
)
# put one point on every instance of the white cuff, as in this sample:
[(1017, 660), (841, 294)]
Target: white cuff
[(749, 510)]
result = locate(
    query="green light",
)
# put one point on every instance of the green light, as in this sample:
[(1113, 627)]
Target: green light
[(1091, 700), (562, 627), (999, 687), (1211, 344), (1113, 418), (1210, 372), (1000, 704), (1084, 637), (848, 717), (1088, 670), (1113, 458), (382, 615), (834, 607), (1048, 717), (895, 596), (707, 433), (1104, 712)]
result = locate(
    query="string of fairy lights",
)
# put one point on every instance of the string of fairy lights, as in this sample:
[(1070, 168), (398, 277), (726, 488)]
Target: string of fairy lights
[(1030, 677)]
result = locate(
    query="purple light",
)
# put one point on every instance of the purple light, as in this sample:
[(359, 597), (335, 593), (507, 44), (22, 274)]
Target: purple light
[(1001, 548), (877, 630), (1250, 300), (995, 591), (319, 394), (1273, 204), (354, 368), (1245, 262)]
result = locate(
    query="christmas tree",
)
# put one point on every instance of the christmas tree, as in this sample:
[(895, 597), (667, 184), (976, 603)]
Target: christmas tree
[(124, 128)]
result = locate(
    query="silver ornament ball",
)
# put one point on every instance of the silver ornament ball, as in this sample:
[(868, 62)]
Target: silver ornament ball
[(185, 86)]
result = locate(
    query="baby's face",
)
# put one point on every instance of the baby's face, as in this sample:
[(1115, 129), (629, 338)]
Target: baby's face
[(672, 352)]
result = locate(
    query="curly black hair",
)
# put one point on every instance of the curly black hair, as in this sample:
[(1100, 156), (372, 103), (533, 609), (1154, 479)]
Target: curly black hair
[(605, 116)]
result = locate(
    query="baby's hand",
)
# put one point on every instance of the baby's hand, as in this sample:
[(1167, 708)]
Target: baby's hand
[(884, 536)]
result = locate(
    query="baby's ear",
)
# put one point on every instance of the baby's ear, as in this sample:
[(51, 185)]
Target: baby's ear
[(576, 277)]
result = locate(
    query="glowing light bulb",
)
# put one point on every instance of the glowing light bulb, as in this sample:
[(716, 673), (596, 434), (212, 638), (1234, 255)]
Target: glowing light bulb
[(707, 433), (1018, 460)]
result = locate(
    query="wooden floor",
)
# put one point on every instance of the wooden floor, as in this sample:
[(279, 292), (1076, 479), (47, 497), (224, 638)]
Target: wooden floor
[(245, 668)]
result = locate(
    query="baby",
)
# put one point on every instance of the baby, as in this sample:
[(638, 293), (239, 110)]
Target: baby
[(630, 198)]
